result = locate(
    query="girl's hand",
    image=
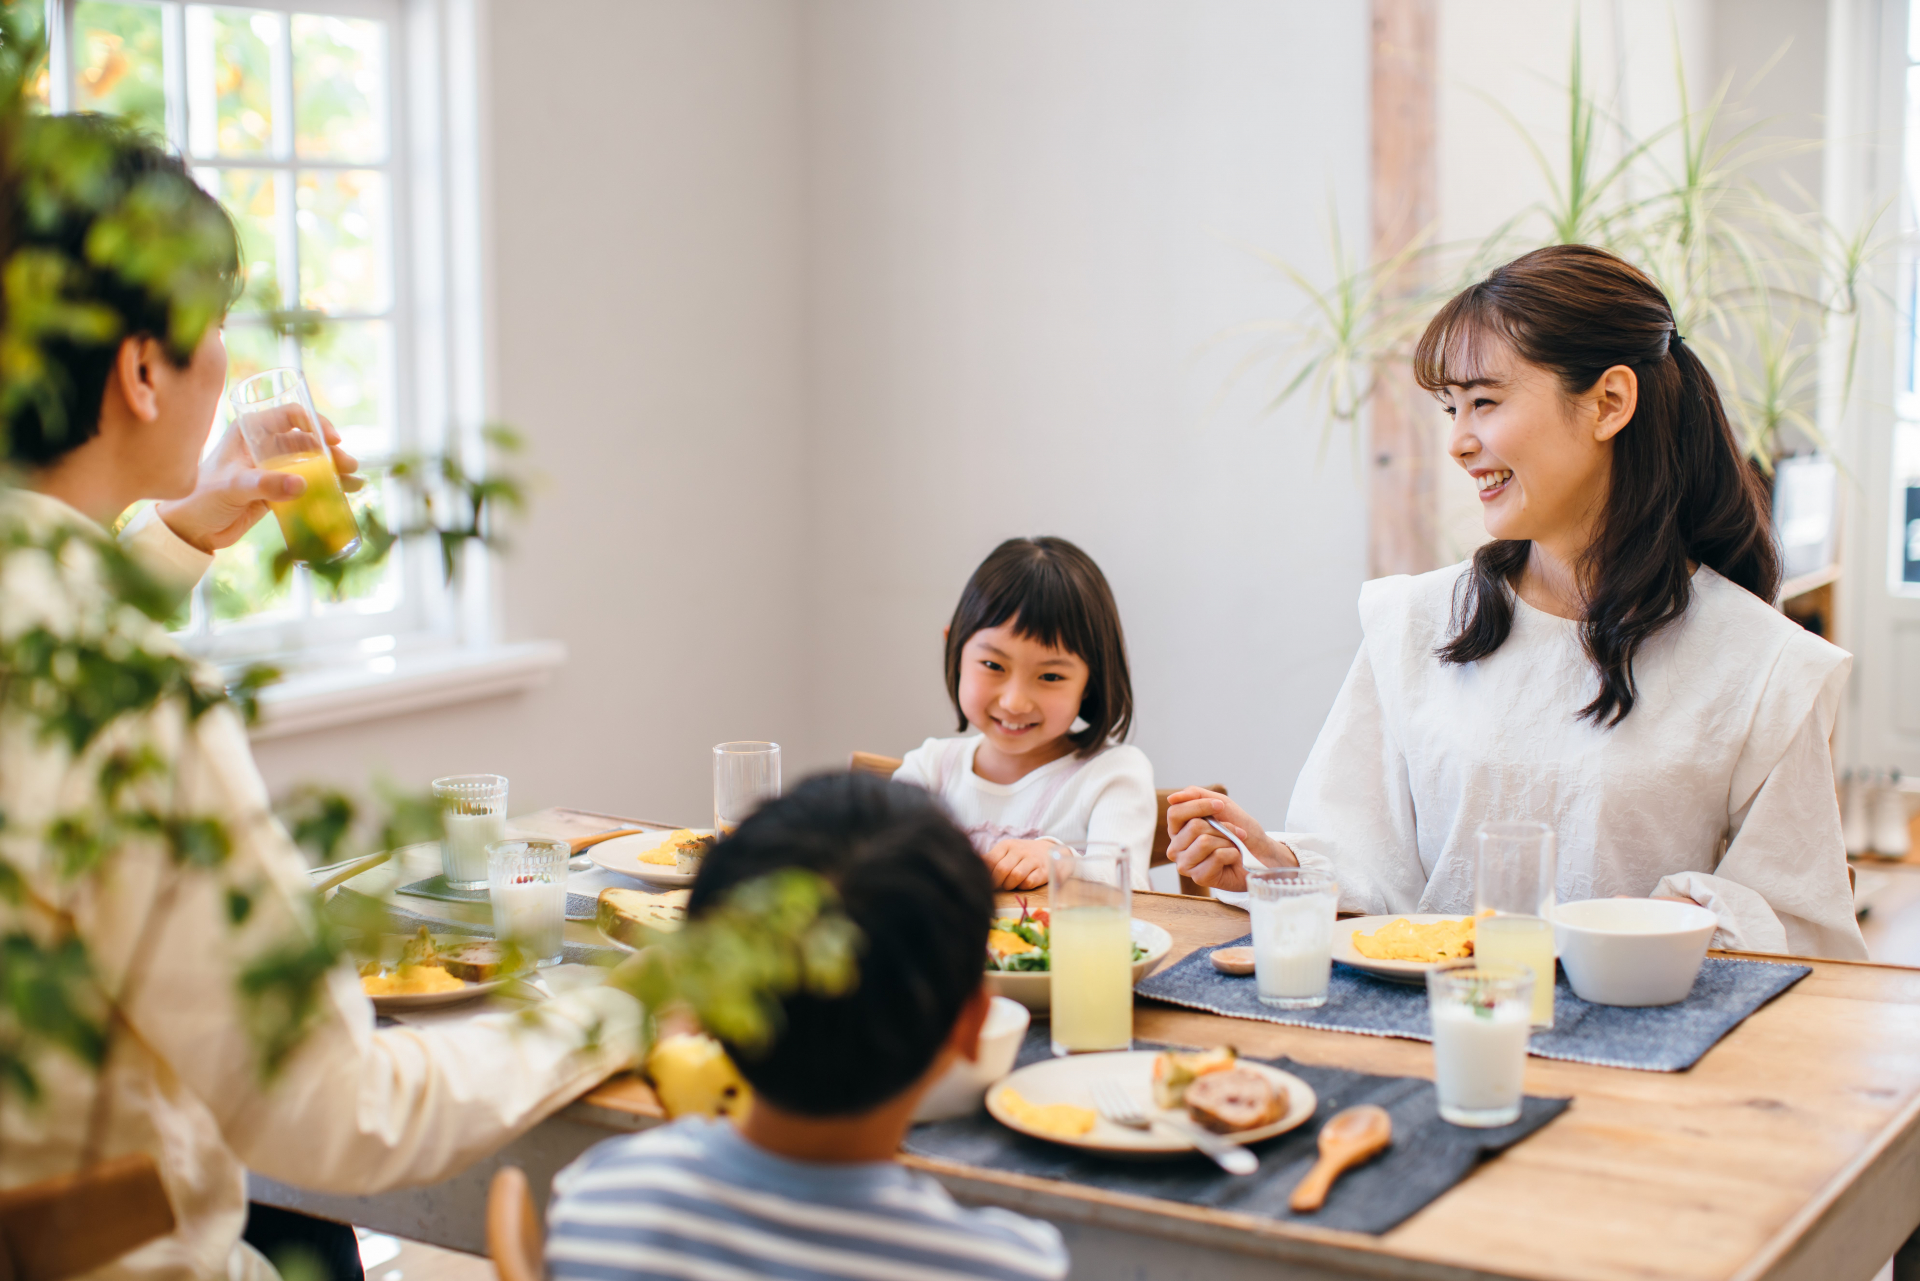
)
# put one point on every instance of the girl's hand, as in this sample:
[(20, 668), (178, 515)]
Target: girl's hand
[(231, 493), (1205, 856), (1019, 865)]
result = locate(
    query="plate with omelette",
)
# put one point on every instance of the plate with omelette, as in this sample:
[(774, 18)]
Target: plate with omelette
[(667, 859), (1403, 948), (424, 970)]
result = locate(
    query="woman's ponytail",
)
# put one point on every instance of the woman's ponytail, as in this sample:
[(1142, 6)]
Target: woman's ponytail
[(1682, 491)]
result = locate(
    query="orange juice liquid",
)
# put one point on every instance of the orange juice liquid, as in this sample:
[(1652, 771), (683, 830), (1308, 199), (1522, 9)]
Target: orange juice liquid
[(319, 525)]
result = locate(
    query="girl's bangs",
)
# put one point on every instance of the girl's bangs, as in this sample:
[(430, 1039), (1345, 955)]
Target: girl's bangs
[(1460, 345)]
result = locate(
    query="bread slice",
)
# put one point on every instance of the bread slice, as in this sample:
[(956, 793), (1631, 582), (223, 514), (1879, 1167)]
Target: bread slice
[(631, 917), (1232, 1101), (478, 962)]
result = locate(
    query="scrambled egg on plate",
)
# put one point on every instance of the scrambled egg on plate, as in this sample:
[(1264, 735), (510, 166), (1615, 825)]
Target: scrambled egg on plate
[(1405, 941), (1062, 1120)]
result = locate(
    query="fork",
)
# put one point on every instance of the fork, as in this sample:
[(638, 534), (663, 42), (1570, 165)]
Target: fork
[(1117, 1106)]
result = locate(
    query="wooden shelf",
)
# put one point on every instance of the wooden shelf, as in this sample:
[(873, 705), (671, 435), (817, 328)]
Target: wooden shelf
[(1804, 583)]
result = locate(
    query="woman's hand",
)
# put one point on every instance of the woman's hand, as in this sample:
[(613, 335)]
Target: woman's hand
[(1205, 856), (231, 493), (1019, 865)]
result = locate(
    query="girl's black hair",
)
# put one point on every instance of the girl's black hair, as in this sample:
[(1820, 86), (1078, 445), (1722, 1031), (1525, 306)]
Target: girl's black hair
[(1058, 597), (1682, 488)]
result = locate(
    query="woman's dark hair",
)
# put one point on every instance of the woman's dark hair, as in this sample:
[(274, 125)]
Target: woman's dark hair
[(139, 245), (1055, 595), (1682, 490), (922, 900)]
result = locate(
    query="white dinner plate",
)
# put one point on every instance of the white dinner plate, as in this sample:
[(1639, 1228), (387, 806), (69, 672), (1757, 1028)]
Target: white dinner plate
[(1071, 1080), (621, 855), (1034, 988), (1397, 971)]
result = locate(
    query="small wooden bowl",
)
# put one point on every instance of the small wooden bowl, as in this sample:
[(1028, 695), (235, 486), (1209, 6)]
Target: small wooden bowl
[(1233, 960)]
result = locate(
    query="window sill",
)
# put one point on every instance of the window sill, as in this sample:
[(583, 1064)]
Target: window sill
[(394, 685)]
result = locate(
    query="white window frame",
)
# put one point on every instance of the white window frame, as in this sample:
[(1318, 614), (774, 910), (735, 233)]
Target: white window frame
[(442, 643)]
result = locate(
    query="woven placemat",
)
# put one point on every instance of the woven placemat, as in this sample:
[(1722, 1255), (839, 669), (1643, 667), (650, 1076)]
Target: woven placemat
[(1663, 1038), (1427, 1156)]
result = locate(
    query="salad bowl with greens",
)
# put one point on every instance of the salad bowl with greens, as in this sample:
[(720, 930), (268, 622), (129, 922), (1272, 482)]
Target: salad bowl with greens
[(1018, 961)]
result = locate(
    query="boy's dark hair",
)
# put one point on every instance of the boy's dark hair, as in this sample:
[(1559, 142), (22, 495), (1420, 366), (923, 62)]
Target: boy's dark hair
[(922, 900), (1061, 600), (138, 247)]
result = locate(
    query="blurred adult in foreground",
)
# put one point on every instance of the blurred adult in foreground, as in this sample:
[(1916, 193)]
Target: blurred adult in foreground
[(184, 948), (1611, 664)]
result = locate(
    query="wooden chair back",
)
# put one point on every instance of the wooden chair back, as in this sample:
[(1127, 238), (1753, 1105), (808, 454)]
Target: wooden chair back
[(515, 1241), (873, 763), (75, 1223)]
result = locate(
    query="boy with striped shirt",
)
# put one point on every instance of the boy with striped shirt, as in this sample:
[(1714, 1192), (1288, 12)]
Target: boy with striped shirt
[(806, 1189)]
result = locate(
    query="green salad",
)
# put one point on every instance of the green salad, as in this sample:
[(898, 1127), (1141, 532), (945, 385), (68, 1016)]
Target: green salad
[(1007, 955)]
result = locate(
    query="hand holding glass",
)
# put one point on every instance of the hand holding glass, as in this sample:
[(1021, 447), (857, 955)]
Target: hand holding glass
[(1513, 877), (275, 414), (1090, 945)]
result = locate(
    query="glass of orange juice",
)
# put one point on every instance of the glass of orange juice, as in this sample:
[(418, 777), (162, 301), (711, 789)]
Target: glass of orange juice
[(1514, 886), (276, 418)]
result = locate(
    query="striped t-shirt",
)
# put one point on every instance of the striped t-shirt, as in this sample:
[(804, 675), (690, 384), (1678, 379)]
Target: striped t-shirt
[(696, 1200)]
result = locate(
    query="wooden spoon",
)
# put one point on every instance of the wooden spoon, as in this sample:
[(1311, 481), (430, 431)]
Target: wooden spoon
[(579, 843), (1351, 1137)]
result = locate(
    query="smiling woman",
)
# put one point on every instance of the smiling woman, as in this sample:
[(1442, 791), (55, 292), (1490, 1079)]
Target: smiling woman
[(1611, 665)]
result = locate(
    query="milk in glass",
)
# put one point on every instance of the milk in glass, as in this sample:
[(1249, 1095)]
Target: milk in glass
[(465, 853)]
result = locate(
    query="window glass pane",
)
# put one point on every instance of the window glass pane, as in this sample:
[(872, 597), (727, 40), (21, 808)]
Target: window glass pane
[(349, 368), (343, 235), (250, 349), (241, 584), (338, 89), (365, 589), (230, 57), (248, 195), (117, 63)]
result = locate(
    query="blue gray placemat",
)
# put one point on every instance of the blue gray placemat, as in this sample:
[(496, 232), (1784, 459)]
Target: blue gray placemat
[(398, 920), (1427, 1157), (580, 907), (1664, 1038)]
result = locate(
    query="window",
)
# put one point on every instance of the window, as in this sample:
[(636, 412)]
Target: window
[(1903, 561), (291, 114)]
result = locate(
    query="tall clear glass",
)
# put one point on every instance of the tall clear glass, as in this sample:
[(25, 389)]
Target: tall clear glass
[(1090, 941), (527, 884), (275, 412), (1481, 1017), (744, 776), (1293, 910), (473, 815), (1513, 878)]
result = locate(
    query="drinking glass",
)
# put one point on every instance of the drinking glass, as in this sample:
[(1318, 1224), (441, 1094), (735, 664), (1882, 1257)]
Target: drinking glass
[(1513, 877), (473, 814), (744, 775), (1293, 910), (276, 418), (527, 882), (1482, 1012), (1090, 941)]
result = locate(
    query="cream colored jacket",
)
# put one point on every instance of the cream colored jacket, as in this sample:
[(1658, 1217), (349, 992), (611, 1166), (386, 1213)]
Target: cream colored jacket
[(355, 1110)]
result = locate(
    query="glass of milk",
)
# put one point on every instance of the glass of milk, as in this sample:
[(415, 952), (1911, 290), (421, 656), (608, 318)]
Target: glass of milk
[(1293, 911), (473, 812), (527, 882), (1482, 1013)]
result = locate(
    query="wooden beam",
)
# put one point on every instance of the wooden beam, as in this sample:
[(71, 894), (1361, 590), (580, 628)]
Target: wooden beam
[(1403, 521)]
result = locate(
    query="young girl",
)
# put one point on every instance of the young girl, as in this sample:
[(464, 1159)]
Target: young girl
[(1037, 666)]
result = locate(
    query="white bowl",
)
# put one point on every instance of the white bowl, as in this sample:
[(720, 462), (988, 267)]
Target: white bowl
[(961, 1090), (1034, 988), (1632, 951)]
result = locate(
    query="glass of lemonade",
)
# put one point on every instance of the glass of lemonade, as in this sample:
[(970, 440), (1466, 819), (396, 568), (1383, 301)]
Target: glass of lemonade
[(1293, 910), (276, 418), (527, 884), (1481, 1017), (1090, 942), (744, 775), (473, 814), (1513, 878)]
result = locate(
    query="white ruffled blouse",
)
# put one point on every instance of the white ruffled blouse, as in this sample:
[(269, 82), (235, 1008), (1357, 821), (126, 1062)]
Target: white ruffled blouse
[(1718, 786)]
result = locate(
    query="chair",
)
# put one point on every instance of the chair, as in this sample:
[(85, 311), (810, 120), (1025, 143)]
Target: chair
[(884, 766), (62, 1227), (515, 1241)]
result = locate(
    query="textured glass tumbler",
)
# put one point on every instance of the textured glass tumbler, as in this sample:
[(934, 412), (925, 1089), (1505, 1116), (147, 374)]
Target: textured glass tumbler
[(1090, 946), (473, 814), (1482, 1014), (1293, 910), (275, 413), (527, 882), (745, 775)]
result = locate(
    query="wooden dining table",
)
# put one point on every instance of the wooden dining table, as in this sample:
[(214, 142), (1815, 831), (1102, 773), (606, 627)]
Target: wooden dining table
[(1790, 1151)]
